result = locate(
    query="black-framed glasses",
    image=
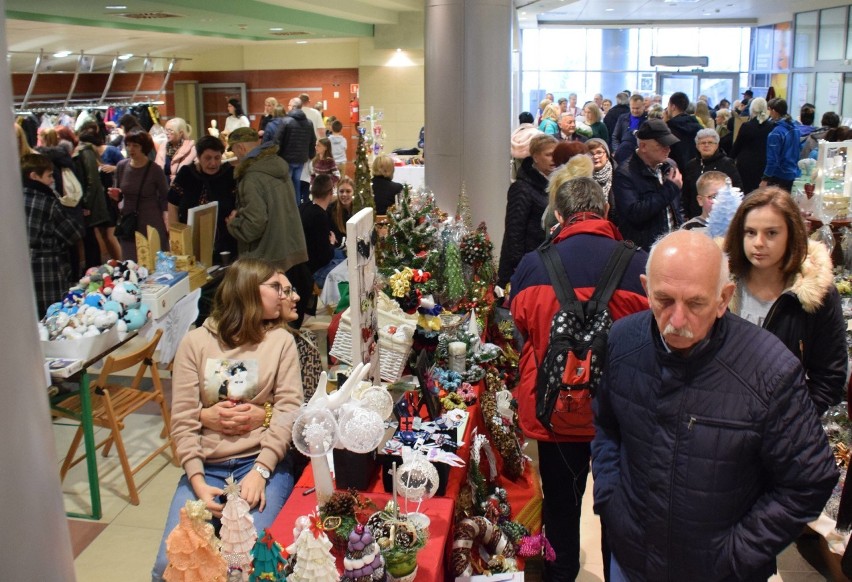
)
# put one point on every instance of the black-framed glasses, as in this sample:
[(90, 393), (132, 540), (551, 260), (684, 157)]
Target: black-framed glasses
[(286, 292)]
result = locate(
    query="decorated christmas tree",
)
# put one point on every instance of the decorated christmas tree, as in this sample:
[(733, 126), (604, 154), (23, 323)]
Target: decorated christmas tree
[(238, 532), (477, 254), (313, 559), (363, 179), (463, 214), (363, 561), (192, 548), (413, 242), (269, 564)]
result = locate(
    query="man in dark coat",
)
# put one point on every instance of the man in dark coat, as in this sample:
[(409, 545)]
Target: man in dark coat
[(684, 126), (708, 456), (297, 144), (623, 140), (620, 108), (647, 190)]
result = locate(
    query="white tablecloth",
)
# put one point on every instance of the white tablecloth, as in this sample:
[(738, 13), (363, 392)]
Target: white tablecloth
[(414, 176)]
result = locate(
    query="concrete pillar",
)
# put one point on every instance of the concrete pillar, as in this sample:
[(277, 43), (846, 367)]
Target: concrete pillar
[(468, 106), (37, 545)]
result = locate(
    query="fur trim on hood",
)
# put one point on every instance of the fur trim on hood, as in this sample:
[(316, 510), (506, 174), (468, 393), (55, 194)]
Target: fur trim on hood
[(811, 284), (814, 279)]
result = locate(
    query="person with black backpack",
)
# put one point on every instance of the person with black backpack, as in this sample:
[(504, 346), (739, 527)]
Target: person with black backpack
[(565, 296)]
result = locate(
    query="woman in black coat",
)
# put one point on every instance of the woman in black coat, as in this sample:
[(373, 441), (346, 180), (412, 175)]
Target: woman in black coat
[(750, 146), (710, 157), (785, 284), (384, 188), (526, 203)]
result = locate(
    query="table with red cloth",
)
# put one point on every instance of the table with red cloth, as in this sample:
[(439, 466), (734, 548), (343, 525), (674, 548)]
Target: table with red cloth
[(524, 497)]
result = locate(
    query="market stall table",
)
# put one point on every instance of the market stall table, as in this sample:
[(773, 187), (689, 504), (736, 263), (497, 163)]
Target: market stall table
[(430, 560), (82, 377)]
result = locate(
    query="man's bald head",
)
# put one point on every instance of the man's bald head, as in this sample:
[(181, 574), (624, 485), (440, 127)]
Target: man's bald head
[(686, 279)]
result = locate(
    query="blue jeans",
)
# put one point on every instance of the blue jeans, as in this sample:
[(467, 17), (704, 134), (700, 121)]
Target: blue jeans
[(296, 176), (615, 572), (278, 489), (322, 273)]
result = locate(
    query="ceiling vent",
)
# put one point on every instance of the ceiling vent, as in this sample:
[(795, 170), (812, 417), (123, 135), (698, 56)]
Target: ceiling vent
[(288, 33), (148, 15)]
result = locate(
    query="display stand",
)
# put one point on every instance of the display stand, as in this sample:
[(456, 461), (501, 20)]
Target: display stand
[(362, 278)]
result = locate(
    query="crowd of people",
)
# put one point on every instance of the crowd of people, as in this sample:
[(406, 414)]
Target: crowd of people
[(112, 180), (703, 436)]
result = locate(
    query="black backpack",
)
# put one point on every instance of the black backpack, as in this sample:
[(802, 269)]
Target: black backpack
[(573, 363)]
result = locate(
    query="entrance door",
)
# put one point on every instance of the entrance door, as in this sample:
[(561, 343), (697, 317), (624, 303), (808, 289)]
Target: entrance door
[(214, 102), (716, 86)]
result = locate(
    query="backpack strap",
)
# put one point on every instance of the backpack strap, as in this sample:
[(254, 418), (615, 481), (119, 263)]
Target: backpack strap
[(559, 279), (612, 275)]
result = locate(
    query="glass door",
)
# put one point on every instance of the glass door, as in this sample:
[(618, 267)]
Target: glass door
[(716, 86)]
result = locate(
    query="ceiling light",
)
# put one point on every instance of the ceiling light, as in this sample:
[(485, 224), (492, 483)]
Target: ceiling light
[(125, 56), (276, 29), (116, 7), (301, 42), (400, 59), (61, 54), (608, 9)]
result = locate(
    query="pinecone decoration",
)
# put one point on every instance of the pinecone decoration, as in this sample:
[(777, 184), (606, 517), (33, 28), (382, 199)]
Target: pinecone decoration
[(363, 561), (341, 503)]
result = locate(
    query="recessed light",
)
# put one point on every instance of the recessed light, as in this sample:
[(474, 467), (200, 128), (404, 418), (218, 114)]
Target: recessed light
[(116, 7), (609, 9), (301, 42), (61, 54), (276, 29), (125, 56)]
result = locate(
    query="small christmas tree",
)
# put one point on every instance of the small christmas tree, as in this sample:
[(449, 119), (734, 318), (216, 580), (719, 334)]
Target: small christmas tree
[(413, 241), (363, 561), (192, 548), (269, 564), (463, 210), (453, 273), (238, 531), (314, 561), (363, 179)]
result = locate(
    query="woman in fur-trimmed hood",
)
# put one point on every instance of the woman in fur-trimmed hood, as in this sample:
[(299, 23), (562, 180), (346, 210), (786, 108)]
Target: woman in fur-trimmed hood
[(786, 286)]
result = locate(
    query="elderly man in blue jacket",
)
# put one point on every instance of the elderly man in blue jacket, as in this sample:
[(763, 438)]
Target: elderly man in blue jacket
[(708, 455)]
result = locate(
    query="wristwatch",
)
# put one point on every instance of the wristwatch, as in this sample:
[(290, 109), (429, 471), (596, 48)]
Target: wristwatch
[(264, 472)]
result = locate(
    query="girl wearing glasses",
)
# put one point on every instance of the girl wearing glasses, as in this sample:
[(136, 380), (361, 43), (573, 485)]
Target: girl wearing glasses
[(243, 344)]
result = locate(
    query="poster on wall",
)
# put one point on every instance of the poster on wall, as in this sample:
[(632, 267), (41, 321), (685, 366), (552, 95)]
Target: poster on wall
[(782, 34), (762, 49), (646, 82)]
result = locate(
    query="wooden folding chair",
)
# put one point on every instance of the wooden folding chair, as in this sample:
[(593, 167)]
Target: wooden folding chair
[(111, 404)]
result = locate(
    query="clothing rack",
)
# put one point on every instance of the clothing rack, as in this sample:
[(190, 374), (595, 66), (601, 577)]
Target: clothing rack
[(84, 65)]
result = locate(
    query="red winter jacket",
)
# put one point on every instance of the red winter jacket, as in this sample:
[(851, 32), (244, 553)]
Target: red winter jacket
[(585, 248)]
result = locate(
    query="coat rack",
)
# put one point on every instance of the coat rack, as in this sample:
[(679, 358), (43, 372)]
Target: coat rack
[(84, 66)]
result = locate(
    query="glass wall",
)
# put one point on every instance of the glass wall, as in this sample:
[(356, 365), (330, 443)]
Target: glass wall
[(585, 61)]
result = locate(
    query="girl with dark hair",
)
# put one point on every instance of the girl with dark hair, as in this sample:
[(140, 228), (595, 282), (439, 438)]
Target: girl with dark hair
[(244, 347), (236, 117), (786, 286)]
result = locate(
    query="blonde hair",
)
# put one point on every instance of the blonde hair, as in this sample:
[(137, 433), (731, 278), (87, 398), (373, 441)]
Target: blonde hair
[(181, 126), (551, 112), (595, 111), (23, 145), (383, 166)]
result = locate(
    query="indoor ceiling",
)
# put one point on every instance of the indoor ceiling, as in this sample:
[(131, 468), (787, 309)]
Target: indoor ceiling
[(183, 28)]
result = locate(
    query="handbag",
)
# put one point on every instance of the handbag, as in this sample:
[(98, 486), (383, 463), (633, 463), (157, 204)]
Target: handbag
[(127, 224)]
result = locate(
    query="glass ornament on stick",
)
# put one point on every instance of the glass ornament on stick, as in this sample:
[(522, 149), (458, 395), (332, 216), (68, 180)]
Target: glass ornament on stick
[(416, 479), (728, 199)]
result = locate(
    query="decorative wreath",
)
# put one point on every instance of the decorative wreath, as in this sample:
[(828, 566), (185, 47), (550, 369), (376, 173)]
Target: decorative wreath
[(472, 533), (504, 437)]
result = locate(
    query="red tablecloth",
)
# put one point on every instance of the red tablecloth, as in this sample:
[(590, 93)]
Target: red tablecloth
[(430, 560)]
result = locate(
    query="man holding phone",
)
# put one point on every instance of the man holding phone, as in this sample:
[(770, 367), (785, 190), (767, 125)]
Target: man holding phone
[(647, 189)]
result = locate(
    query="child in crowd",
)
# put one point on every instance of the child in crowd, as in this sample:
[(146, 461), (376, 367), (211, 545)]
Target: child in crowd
[(324, 163), (338, 146), (708, 186), (50, 229)]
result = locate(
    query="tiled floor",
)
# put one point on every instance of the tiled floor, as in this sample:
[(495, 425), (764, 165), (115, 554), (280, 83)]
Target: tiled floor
[(123, 544)]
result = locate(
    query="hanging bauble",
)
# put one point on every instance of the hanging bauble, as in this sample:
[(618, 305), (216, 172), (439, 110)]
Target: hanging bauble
[(315, 432)]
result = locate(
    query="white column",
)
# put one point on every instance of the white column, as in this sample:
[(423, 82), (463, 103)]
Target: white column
[(468, 106), (37, 544)]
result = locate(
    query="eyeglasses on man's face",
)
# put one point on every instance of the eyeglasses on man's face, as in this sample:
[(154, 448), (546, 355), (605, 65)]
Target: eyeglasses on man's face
[(285, 292)]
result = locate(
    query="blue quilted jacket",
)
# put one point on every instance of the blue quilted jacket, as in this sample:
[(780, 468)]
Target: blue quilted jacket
[(705, 466)]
